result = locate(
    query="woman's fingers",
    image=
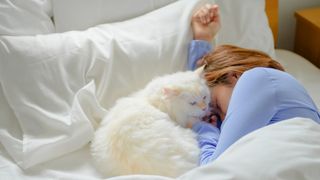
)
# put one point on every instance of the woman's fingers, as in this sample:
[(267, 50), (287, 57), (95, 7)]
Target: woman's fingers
[(200, 62), (198, 16), (204, 14), (215, 13), (203, 22), (202, 17), (214, 120), (209, 13)]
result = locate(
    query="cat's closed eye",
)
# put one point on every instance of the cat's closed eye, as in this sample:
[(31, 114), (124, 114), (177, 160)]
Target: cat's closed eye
[(193, 103)]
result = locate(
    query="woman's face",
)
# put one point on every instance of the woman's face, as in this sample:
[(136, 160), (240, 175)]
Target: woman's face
[(220, 97)]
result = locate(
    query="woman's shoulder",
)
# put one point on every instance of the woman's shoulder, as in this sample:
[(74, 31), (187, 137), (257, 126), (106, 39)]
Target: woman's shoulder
[(270, 78), (258, 82), (266, 78), (263, 71), (271, 74), (257, 74)]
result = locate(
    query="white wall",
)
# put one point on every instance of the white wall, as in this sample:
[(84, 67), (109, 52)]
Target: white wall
[(287, 21)]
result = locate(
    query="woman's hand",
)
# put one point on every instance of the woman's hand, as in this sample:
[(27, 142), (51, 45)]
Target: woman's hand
[(206, 23), (211, 117), (212, 120)]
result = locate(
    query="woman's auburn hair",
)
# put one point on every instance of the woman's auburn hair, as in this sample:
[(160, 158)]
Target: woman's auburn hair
[(229, 59)]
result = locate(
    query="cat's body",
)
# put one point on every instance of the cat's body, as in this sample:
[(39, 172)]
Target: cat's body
[(145, 133)]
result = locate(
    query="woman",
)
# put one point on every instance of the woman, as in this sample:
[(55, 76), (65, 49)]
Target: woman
[(249, 90)]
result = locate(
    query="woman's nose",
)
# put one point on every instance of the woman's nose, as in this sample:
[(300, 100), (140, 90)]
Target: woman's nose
[(222, 116)]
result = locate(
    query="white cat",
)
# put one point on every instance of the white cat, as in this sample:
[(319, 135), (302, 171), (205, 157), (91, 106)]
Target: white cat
[(145, 133)]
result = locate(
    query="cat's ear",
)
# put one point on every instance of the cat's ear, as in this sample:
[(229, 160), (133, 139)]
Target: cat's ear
[(200, 71), (170, 91)]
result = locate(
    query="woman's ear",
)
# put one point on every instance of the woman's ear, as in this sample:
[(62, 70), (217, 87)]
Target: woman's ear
[(233, 77), (236, 75)]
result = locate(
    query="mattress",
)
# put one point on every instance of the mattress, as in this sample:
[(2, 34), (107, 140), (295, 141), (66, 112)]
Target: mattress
[(78, 164)]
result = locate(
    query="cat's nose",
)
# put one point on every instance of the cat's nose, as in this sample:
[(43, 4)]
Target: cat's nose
[(202, 105)]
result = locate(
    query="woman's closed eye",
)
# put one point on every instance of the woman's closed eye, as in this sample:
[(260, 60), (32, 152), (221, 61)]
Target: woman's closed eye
[(219, 111), (216, 108)]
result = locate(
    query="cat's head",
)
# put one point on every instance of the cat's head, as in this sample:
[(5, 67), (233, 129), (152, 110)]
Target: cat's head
[(187, 98)]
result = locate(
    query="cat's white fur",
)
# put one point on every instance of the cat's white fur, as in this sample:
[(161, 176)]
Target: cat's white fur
[(145, 133)]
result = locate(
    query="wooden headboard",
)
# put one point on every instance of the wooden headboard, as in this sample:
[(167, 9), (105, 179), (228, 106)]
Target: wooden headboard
[(272, 10)]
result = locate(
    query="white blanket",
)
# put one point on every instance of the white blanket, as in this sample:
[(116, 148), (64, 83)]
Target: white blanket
[(285, 150)]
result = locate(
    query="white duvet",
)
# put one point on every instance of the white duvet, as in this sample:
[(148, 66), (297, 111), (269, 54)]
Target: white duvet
[(285, 150)]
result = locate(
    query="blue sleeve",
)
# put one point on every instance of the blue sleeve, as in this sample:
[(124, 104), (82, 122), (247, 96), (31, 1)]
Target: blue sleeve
[(252, 106), (197, 49), (208, 137)]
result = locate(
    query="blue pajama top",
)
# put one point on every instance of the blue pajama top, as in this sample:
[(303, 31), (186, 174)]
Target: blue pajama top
[(261, 96)]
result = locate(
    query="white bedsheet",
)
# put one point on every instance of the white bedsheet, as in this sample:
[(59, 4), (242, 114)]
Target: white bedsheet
[(277, 148)]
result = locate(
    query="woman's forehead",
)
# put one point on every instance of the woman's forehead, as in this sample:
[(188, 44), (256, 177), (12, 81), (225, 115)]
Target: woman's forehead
[(213, 95), (215, 90)]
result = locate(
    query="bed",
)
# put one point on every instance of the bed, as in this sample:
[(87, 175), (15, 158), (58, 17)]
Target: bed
[(49, 110)]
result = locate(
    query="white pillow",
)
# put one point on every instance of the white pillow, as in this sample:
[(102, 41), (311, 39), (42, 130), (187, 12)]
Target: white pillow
[(25, 17), (245, 24), (82, 14), (60, 85), (20, 17)]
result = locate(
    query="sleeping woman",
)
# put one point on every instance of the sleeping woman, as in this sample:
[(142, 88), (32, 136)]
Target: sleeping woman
[(249, 90)]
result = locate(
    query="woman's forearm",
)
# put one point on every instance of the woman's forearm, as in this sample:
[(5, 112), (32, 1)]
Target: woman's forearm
[(207, 136), (197, 49)]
